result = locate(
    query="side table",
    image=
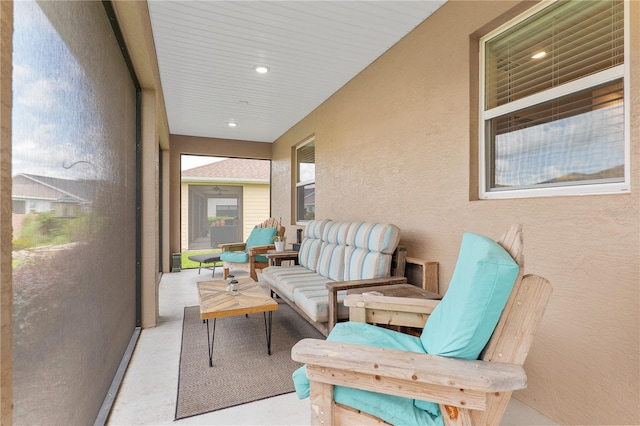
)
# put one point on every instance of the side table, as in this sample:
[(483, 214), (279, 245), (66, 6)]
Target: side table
[(392, 305), (276, 257)]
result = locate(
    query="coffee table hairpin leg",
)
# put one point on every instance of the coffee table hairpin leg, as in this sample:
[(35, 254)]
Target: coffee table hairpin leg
[(211, 334), (210, 338), (267, 329)]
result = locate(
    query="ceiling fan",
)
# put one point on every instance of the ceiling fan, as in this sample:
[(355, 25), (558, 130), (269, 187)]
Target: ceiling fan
[(219, 190)]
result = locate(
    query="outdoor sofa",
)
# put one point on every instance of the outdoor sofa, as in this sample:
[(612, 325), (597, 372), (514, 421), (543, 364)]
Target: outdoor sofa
[(334, 257)]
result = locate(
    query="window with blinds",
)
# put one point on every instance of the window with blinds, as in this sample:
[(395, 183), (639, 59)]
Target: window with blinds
[(553, 102), (306, 181)]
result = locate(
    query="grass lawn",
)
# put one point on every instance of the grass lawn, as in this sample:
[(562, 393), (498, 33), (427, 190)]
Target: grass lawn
[(189, 264)]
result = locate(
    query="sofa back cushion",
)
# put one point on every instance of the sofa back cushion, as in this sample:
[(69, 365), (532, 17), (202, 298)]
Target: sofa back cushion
[(311, 244), (336, 232), (369, 250), (331, 261), (462, 323), (362, 264), (376, 237)]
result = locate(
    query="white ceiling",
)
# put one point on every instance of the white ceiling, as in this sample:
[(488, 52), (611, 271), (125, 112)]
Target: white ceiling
[(207, 51)]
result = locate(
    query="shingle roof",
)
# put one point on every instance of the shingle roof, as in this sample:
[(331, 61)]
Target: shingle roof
[(236, 168), (81, 190)]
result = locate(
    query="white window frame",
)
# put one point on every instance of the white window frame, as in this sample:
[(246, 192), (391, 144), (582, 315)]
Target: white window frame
[(609, 75), (299, 183)]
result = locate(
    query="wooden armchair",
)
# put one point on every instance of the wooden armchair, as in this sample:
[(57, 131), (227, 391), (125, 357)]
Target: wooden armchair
[(467, 391), (247, 255)]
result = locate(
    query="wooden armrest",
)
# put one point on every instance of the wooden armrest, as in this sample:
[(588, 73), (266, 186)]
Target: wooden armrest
[(388, 303), (260, 249), (288, 254), (335, 287), (451, 381), (233, 246), (348, 285)]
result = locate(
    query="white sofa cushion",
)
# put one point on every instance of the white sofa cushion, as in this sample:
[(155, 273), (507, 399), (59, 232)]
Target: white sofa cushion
[(290, 285), (311, 244), (377, 237), (331, 261), (313, 301), (362, 264), (284, 278)]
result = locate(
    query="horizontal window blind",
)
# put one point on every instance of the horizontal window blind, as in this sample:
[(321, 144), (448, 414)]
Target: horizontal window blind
[(307, 153), (562, 43), (306, 162)]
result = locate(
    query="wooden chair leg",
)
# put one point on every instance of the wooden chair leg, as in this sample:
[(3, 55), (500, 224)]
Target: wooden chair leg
[(225, 272), (321, 399)]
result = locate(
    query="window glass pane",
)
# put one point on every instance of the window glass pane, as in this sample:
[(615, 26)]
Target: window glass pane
[(562, 43), (306, 196), (573, 139), (305, 178), (74, 189)]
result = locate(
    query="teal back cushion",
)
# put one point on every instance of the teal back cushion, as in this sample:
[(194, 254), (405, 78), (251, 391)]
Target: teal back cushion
[(462, 323), (258, 237), (261, 237)]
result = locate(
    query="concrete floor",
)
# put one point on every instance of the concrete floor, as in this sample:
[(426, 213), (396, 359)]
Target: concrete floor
[(148, 393)]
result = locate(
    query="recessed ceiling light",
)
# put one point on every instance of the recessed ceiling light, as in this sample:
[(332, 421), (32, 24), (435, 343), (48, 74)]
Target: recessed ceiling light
[(539, 55), (261, 69), (232, 124)]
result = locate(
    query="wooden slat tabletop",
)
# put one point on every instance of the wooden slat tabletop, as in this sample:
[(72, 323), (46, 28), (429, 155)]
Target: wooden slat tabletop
[(216, 301)]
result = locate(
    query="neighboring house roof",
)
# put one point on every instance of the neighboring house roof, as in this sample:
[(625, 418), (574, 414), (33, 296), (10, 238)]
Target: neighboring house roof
[(48, 188), (232, 168)]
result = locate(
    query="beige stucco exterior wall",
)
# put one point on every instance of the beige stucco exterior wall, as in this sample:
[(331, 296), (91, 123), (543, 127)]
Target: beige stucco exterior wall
[(150, 210), (134, 22), (397, 144)]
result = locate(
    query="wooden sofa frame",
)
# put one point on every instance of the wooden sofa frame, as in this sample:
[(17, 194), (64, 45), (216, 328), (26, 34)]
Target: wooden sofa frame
[(397, 272)]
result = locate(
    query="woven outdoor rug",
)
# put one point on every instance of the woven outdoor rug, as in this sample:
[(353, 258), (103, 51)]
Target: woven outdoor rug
[(242, 371)]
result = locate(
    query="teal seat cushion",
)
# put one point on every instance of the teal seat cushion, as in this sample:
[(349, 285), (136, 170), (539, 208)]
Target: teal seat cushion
[(258, 237), (462, 323), (235, 256), (392, 409), (360, 333)]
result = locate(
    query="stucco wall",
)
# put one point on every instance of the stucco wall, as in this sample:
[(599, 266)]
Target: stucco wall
[(397, 144)]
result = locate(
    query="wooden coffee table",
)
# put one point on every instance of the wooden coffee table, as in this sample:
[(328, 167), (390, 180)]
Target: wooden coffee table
[(217, 302)]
